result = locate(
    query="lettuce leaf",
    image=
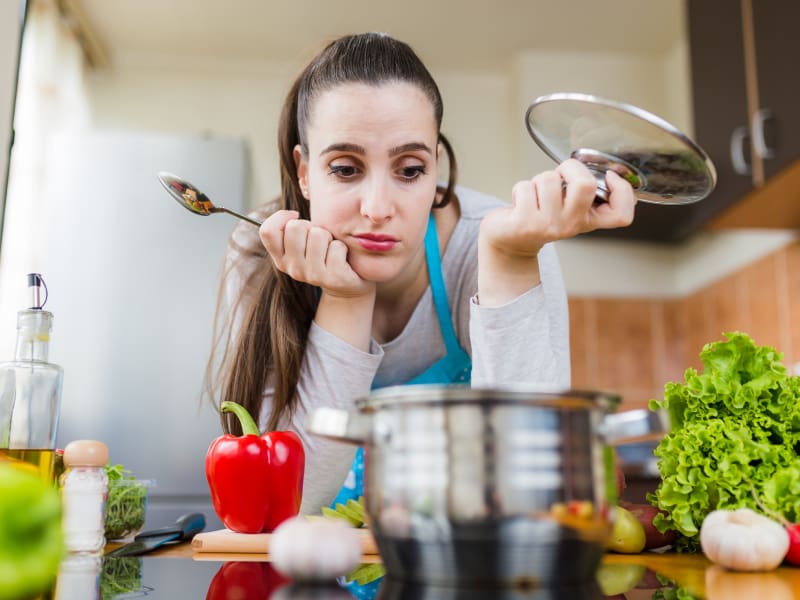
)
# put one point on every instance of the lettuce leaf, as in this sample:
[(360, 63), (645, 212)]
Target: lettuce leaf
[(735, 434)]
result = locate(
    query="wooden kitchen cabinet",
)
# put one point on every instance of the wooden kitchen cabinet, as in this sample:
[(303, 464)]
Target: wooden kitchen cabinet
[(745, 62)]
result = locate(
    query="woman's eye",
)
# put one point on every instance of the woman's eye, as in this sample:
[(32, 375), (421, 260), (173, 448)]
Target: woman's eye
[(411, 173), (344, 171)]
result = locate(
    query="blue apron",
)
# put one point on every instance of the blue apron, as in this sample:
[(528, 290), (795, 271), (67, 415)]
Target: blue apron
[(453, 367)]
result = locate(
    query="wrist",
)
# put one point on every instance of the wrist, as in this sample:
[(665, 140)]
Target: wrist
[(347, 317), (504, 276)]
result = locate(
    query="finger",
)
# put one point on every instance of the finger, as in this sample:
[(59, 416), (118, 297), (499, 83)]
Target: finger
[(337, 255), (271, 231), (621, 202), (295, 239), (549, 188), (581, 185), (317, 244), (523, 197)]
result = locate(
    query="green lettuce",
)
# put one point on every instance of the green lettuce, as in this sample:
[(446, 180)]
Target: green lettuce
[(735, 436)]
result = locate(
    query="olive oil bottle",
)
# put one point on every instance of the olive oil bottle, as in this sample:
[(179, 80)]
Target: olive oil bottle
[(30, 389)]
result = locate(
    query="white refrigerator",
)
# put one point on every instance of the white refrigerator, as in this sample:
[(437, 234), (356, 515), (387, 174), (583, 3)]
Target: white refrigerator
[(133, 279)]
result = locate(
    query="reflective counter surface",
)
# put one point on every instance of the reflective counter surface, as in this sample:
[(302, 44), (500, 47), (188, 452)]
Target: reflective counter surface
[(177, 573)]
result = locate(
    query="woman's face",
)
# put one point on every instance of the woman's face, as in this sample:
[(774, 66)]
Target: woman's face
[(370, 174)]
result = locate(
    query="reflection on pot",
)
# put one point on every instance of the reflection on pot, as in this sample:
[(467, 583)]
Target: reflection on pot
[(245, 581)]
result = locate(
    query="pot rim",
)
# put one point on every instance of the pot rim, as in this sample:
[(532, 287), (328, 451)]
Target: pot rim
[(463, 394)]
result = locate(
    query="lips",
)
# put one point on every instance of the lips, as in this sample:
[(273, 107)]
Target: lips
[(375, 242)]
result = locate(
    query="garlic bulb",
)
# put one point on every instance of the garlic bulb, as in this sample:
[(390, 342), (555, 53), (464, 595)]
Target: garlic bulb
[(743, 540), (315, 549)]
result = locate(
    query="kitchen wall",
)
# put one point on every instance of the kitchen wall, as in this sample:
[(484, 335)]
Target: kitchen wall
[(633, 346), (484, 110), (635, 306)]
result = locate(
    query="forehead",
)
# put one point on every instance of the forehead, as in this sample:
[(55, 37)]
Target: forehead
[(361, 110)]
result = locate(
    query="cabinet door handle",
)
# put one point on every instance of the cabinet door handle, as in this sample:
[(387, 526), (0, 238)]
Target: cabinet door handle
[(738, 138), (759, 143)]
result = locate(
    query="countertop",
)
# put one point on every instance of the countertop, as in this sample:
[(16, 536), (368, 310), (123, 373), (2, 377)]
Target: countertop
[(694, 573)]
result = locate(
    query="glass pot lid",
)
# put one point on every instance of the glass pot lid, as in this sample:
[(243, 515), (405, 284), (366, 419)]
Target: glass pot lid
[(661, 163)]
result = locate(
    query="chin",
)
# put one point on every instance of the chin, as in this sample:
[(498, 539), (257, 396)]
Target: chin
[(376, 271)]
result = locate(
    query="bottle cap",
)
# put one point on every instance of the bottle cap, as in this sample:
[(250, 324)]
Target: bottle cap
[(85, 453)]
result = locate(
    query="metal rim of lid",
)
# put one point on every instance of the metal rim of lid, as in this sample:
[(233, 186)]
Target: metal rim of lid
[(624, 108)]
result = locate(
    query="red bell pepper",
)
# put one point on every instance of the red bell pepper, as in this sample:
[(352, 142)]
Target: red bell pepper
[(256, 481), (245, 581)]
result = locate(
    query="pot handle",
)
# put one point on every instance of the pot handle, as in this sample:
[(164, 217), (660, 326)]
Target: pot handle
[(633, 425), (340, 425)]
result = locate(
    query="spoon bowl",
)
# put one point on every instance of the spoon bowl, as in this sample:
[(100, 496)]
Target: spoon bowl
[(193, 200)]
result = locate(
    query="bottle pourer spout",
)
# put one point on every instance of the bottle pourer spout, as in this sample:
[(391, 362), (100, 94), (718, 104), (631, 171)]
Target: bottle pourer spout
[(36, 283)]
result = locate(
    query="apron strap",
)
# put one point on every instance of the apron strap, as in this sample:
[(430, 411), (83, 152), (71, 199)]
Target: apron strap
[(438, 290)]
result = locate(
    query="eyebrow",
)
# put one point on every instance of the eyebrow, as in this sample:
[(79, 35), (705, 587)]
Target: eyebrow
[(356, 149)]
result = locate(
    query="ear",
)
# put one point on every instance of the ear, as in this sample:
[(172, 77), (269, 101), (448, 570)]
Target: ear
[(301, 164)]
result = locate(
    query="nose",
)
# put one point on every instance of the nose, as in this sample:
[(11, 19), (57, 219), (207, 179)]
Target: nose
[(376, 203)]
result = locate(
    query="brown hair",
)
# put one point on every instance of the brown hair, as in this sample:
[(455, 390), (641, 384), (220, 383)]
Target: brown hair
[(276, 310)]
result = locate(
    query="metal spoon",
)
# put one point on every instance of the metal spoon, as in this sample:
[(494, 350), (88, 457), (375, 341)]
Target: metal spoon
[(192, 199)]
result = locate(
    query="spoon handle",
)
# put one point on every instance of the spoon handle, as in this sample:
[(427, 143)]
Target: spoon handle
[(242, 217)]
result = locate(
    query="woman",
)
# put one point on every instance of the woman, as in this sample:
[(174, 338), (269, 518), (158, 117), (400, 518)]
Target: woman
[(366, 273)]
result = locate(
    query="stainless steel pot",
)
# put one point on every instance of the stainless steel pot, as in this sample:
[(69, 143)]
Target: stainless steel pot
[(488, 487)]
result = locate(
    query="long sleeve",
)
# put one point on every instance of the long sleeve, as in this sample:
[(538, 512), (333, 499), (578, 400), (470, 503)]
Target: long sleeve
[(526, 340), (333, 374)]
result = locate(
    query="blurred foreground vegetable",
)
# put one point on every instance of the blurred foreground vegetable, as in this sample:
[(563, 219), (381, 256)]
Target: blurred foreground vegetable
[(735, 430), (31, 541)]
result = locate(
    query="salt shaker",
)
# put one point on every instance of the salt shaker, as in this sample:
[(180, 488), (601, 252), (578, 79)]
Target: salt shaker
[(84, 488)]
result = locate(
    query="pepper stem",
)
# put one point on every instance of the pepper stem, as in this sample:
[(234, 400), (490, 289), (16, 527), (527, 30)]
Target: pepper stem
[(249, 426)]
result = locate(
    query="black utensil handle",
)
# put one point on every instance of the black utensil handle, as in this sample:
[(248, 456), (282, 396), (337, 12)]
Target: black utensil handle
[(191, 524), (185, 526)]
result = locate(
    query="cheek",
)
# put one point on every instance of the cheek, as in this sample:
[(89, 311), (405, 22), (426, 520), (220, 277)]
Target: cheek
[(327, 213)]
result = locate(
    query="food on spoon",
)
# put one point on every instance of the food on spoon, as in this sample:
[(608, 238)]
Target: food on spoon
[(743, 540), (627, 533)]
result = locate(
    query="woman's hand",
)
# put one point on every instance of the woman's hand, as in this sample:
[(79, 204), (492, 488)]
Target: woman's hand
[(543, 210), (310, 254), (552, 206)]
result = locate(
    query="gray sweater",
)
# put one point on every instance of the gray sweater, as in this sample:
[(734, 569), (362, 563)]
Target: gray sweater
[(523, 342)]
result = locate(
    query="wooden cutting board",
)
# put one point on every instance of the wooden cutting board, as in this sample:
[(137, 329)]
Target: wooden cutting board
[(227, 541)]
